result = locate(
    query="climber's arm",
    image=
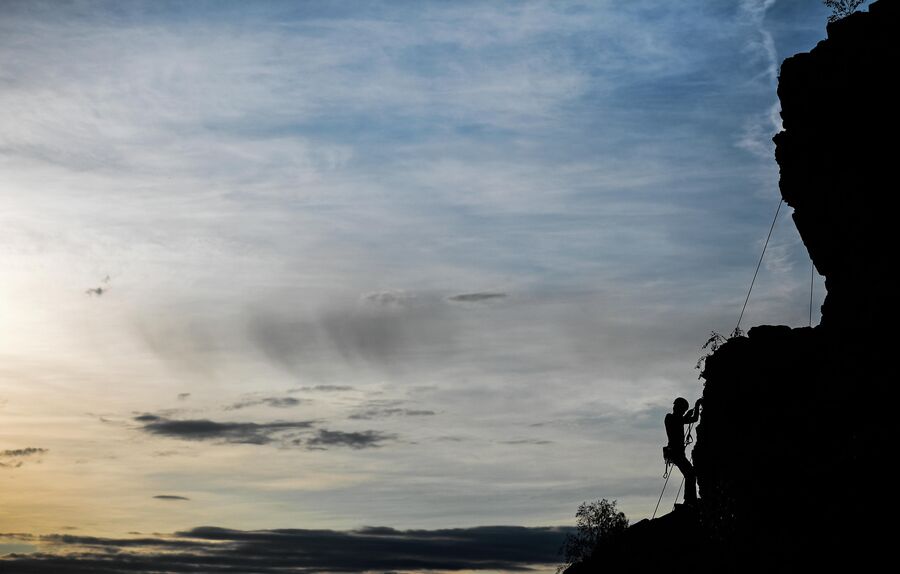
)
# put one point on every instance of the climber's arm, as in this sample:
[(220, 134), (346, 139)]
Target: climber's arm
[(693, 415)]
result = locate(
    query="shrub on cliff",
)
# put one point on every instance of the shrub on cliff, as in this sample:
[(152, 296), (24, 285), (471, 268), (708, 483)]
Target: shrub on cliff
[(842, 8), (595, 521)]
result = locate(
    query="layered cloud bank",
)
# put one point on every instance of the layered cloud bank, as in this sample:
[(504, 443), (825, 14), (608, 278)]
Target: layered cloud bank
[(506, 548)]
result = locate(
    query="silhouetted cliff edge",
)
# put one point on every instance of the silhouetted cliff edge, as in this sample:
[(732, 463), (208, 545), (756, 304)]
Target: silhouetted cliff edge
[(795, 439)]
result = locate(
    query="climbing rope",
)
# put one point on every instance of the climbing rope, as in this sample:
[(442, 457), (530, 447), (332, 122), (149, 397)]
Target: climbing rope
[(758, 264), (667, 475), (812, 273), (677, 494)]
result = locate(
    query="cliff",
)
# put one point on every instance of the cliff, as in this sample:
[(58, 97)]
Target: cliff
[(792, 449)]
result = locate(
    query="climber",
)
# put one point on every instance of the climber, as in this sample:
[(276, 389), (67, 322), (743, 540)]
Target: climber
[(674, 451)]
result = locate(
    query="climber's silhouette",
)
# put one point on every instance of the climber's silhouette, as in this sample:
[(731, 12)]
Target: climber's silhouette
[(674, 451)]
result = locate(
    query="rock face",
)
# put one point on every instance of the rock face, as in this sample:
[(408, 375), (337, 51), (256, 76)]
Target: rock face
[(794, 443), (836, 154)]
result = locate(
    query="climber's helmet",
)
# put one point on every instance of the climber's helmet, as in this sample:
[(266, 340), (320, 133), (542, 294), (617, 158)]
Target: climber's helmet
[(680, 405)]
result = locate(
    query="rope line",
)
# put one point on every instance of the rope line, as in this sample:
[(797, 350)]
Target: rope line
[(677, 494), (812, 272), (668, 474), (758, 264)]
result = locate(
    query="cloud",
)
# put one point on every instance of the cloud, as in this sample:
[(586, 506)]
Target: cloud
[(282, 432), (390, 298), (147, 417), (476, 297), (207, 548), (345, 335), (100, 290), (14, 458), (759, 129), (183, 396), (322, 389), (170, 497), (764, 47), (356, 440), (20, 452), (228, 432), (391, 412), (274, 402)]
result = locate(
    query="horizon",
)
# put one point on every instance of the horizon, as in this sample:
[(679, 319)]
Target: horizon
[(417, 266)]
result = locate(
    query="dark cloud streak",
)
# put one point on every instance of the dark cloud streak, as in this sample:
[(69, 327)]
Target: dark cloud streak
[(229, 432), (14, 458), (261, 433), (19, 452), (322, 389), (356, 440), (476, 297), (208, 549), (390, 412)]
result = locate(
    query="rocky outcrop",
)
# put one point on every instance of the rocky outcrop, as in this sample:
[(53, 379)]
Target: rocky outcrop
[(836, 155), (794, 446)]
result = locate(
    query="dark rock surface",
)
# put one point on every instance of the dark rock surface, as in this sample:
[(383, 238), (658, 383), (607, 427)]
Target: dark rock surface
[(793, 450), (837, 157)]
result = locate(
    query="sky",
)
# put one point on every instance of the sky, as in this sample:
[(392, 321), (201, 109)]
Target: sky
[(380, 272)]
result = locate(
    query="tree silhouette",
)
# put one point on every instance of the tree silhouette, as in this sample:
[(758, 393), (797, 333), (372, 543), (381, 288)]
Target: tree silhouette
[(595, 521), (841, 8)]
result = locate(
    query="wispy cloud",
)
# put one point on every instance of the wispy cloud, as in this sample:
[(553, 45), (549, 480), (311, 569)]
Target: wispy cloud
[(759, 129), (374, 413), (274, 402), (323, 389), (390, 298)]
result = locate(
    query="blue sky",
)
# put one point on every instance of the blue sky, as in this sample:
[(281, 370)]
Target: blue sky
[(470, 251)]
